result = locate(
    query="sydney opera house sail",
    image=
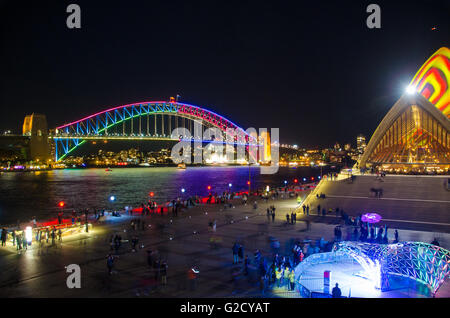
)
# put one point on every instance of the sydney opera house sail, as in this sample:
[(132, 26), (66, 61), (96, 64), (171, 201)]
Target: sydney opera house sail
[(415, 134)]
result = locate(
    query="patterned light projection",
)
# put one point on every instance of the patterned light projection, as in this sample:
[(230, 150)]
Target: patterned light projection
[(413, 135), (433, 80)]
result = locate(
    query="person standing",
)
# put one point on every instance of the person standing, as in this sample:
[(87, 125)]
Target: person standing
[(163, 272), (53, 236), (24, 241), (292, 279), (278, 273), (273, 216), (4, 234), (246, 263), (241, 253), (110, 263), (336, 292), (235, 250)]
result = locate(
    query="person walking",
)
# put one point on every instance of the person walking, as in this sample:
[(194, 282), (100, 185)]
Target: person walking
[(53, 236), (273, 216), (287, 218)]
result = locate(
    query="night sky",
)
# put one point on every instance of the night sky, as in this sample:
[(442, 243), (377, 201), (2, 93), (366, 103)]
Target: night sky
[(311, 68)]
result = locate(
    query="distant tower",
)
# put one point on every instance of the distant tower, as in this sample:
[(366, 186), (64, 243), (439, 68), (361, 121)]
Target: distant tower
[(35, 126), (266, 153)]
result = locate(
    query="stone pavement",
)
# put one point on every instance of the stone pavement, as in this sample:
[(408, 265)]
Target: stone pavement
[(183, 241)]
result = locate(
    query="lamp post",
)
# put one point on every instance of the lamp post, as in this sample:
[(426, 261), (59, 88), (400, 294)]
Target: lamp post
[(112, 198), (249, 178)]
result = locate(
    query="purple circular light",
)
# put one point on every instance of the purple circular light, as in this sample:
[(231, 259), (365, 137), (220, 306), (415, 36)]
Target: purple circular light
[(371, 217)]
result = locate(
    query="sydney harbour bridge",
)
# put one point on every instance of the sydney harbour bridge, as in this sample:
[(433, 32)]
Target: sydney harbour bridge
[(153, 120)]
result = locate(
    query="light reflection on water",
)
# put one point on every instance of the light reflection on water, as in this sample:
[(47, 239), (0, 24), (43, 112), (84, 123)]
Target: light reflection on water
[(27, 194)]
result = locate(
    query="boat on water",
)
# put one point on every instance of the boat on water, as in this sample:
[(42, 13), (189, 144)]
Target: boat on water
[(181, 166)]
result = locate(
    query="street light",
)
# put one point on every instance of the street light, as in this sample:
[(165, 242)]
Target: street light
[(230, 185), (112, 198), (183, 190)]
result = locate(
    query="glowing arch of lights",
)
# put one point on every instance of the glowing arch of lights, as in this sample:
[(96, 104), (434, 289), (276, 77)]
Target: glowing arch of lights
[(72, 135), (426, 263), (432, 80)]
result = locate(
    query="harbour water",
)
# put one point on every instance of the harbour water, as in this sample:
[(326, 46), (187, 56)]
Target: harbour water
[(27, 194)]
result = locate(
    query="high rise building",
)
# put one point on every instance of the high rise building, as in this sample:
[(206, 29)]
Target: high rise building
[(361, 143)]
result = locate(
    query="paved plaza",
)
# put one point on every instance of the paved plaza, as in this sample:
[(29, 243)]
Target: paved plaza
[(183, 241)]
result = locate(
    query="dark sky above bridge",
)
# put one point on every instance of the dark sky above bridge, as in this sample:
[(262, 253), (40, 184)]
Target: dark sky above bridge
[(311, 68)]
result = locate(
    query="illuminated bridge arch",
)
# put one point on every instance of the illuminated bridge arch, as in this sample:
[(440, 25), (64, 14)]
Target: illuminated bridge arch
[(426, 263), (101, 125)]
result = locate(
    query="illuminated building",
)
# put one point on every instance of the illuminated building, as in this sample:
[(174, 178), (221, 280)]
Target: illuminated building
[(415, 134)]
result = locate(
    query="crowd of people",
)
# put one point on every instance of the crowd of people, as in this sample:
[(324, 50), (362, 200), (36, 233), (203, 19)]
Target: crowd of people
[(275, 269)]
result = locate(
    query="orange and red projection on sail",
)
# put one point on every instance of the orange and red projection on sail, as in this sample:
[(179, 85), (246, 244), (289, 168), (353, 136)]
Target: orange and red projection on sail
[(433, 80)]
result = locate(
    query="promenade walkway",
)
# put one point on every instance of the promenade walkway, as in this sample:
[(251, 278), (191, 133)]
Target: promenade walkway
[(182, 241)]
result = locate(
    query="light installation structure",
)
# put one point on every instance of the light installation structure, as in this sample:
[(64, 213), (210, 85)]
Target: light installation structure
[(425, 263)]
